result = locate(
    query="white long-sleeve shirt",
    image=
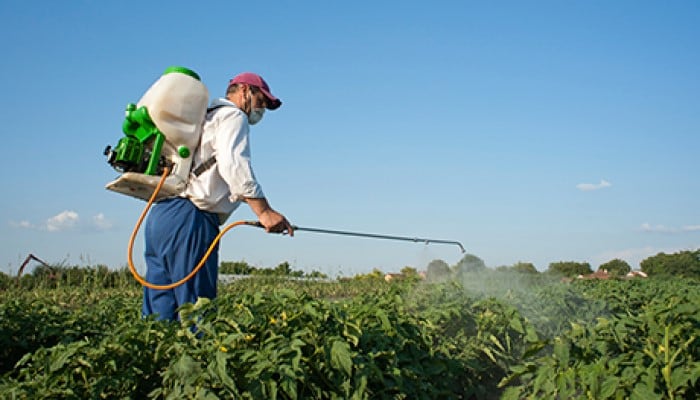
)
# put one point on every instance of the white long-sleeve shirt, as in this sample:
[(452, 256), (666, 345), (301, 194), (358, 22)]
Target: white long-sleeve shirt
[(221, 188)]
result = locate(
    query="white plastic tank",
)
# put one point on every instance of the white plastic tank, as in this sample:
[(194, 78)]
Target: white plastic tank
[(176, 103)]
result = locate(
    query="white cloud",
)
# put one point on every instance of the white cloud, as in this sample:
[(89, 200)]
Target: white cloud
[(22, 224), (101, 223), (68, 220), (587, 187), (63, 221), (646, 227)]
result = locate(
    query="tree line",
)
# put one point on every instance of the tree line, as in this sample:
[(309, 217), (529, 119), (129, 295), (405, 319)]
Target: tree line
[(681, 264), (282, 269)]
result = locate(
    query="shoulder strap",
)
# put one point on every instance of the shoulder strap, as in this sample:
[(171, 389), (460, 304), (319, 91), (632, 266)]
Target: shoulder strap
[(208, 163), (216, 107), (204, 166)]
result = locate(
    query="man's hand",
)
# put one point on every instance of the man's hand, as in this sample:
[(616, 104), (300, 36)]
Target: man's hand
[(271, 220), (275, 222)]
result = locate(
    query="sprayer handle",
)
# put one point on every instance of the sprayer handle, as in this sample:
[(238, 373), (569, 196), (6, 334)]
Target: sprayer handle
[(257, 224)]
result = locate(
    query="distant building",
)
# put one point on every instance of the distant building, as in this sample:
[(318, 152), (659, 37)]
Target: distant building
[(599, 274), (636, 274), (603, 274), (398, 276)]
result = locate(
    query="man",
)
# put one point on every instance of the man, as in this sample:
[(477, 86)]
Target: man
[(179, 230)]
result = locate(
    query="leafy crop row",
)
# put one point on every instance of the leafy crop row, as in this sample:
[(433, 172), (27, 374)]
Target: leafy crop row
[(647, 347), (273, 338)]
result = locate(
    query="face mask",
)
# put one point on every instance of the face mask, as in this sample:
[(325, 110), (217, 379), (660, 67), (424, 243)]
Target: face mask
[(256, 114)]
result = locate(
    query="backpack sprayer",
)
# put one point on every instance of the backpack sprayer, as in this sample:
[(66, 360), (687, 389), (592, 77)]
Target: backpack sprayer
[(160, 133)]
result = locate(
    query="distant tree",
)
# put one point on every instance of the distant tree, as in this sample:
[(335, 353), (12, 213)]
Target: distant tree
[(684, 264), (376, 274), (469, 263), (616, 267), (438, 271), (297, 273), (317, 275), (48, 271), (503, 268), (5, 281), (525, 268), (410, 273), (569, 268), (283, 268), (235, 267)]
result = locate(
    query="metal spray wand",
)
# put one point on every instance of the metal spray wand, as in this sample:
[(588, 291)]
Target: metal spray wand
[(369, 235)]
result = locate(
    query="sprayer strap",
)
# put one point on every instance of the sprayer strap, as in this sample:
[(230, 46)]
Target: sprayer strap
[(201, 168), (204, 166)]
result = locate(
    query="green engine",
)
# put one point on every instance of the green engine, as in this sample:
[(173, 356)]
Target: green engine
[(140, 150)]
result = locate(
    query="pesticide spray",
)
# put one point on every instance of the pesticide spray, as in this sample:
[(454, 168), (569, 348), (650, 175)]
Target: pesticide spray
[(154, 157)]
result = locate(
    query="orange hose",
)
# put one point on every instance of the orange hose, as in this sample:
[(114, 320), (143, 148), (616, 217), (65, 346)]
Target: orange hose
[(199, 266)]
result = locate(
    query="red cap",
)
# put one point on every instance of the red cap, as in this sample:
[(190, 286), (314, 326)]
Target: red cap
[(257, 81)]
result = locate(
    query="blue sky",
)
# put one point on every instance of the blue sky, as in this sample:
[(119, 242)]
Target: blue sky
[(535, 131)]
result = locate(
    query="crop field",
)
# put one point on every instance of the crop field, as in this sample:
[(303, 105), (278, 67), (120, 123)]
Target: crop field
[(80, 335)]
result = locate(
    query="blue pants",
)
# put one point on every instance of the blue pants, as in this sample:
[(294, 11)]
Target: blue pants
[(177, 236)]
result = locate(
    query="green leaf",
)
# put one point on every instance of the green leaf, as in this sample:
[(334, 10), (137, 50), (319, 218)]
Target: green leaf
[(289, 387), (340, 357), (488, 352), (222, 372), (386, 325), (561, 351), (531, 334), (352, 332), (516, 325), (609, 387), (187, 368), (63, 357), (679, 378), (512, 393), (642, 391), (497, 342), (360, 389)]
